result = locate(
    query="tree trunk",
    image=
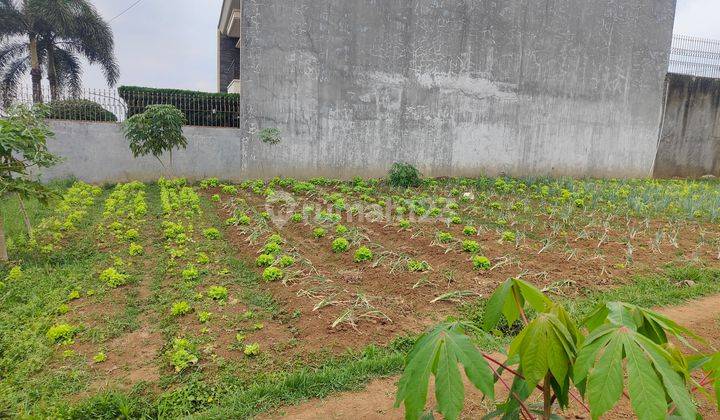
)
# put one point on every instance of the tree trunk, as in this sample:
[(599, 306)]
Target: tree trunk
[(51, 72), (3, 245), (35, 72), (26, 219)]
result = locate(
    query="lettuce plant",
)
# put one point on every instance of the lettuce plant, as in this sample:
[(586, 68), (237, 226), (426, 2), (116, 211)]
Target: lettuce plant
[(480, 262), (264, 260), (61, 334), (273, 274), (470, 246), (363, 254), (340, 245), (217, 292)]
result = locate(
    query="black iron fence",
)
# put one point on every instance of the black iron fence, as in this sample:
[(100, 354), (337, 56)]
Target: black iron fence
[(110, 105), (695, 56)]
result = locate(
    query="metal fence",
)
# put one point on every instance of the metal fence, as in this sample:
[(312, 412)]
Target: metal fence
[(200, 109), (695, 56)]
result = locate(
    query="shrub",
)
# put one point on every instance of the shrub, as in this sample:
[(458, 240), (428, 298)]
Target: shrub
[(481, 262), (79, 110), (363, 254), (270, 135), (61, 334), (340, 245), (404, 175), (199, 108), (217, 292), (273, 274), (180, 308)]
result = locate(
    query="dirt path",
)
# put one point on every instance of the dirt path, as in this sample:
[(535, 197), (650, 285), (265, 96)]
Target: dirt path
[(376, 401)]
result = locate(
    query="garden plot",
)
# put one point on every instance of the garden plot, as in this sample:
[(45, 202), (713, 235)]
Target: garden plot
[(170, 299), (435, 249)]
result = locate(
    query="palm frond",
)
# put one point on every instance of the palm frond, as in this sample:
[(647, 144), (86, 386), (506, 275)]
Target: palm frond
[(69, 71)]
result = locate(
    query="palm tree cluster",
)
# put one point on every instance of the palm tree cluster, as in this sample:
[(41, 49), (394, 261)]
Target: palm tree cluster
[(52, 36)]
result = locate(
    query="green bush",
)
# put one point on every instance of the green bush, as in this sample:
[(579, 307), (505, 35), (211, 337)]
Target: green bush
[(200, 108), (404, 175), (79, 110)]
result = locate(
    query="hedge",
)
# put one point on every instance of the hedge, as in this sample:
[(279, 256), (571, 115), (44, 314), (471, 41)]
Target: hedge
[(79, 109), (200, 108)]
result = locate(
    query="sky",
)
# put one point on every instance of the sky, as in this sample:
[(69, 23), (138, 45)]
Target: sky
[(160, 45)]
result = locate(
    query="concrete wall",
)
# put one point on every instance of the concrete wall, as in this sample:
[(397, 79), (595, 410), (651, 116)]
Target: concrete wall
[(460, 87), (689, 143)]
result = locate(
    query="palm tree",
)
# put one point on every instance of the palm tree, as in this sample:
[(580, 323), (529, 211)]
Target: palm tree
[(63, 30), (17, 21)]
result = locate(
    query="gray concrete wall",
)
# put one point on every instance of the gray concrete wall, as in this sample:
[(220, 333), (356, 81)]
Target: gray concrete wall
[(689, 143), (460, 87)]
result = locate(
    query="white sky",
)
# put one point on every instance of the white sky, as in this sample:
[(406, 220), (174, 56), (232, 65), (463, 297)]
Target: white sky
[(171, 43)]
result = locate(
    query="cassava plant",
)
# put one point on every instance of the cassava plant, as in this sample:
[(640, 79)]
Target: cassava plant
[(23, 148), (156, 131), (618, 351)]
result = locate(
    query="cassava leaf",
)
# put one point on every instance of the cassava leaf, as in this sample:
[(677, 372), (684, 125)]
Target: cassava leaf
[(605, 381), (449, 389), (438, 352), (647, 395), (495, 305)]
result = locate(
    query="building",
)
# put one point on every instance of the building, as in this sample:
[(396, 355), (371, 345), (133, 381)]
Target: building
[(458, 87)]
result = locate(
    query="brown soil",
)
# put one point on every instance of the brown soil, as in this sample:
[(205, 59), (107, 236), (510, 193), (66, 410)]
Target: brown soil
[(332, 284), (376, 401)]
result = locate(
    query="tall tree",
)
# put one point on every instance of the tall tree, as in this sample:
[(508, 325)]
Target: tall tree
[(62, 31)]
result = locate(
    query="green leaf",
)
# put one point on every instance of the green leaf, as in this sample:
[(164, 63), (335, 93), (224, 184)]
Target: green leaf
[(534, 351), (495, 306), (438, 352), (533, 295), (672, 380), (449, 389), (476, 367), (605, 381), (647, 395)]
